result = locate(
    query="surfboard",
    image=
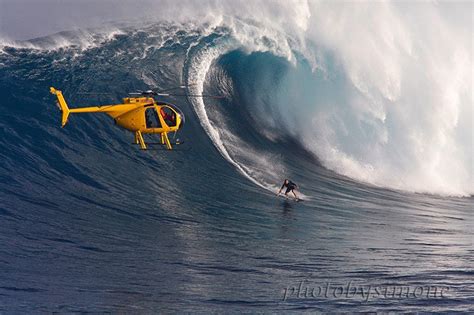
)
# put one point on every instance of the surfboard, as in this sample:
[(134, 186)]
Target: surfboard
[(290, 198)]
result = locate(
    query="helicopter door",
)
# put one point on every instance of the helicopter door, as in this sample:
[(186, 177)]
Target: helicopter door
[(151, 118), (169, 116)]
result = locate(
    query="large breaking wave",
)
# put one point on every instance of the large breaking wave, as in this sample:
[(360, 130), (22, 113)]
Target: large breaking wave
[(386, 102)]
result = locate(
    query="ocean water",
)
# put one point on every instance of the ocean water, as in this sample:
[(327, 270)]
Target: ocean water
[(90, 223)]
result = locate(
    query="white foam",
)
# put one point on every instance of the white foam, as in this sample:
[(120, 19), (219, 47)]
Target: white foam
[(411, 67), (81, 40), (259, 167), (408, 120)]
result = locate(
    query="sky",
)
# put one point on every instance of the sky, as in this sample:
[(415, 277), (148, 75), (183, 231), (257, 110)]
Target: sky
[(26, 19)]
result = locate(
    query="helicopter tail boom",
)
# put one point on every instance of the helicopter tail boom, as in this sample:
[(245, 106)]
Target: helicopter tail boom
[(62, 105)]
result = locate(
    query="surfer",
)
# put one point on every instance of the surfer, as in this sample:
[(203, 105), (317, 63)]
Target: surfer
[(290, 186)]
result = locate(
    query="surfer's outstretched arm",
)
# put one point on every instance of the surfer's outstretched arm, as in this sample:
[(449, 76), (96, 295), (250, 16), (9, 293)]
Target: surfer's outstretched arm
[(279, 192)]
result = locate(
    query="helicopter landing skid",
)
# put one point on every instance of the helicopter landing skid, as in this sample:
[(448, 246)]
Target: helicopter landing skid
[(159, 143)]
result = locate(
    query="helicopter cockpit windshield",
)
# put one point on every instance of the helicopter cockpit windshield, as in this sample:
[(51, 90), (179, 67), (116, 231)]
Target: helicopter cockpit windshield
[(169, 116)]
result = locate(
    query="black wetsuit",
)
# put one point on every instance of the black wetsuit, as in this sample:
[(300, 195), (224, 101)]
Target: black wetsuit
[(289, 186)]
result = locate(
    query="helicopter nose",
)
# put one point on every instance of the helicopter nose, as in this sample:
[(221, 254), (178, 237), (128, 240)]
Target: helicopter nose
[(183, 119)]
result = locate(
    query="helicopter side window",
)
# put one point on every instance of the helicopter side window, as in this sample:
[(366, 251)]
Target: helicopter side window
[(151, 118), (168, 115)]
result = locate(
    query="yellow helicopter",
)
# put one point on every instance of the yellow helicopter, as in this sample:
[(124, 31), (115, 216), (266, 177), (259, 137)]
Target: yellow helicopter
[(140, 115)]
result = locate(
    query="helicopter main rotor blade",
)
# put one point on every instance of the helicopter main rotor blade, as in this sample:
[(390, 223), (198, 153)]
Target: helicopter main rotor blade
[(174, 88), (135, 93), (190, 95), (93, 93)]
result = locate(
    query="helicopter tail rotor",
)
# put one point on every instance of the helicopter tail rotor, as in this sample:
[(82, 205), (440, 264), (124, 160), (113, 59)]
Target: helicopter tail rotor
[(62, 105)]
